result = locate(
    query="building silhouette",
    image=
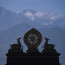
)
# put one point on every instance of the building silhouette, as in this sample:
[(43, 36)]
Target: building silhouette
[(32, 38)]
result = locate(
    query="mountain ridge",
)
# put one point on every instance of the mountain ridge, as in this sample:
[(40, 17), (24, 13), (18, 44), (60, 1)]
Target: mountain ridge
[(34, 18), (14, 25)]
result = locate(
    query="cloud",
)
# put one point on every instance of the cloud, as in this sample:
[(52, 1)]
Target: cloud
[(17, 12), (40, 14), (29, 15), (46, 18)]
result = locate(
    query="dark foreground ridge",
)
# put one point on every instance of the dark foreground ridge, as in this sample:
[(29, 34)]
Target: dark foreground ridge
[(32, 38)]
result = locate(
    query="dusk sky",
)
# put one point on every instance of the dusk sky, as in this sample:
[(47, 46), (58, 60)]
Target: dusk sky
[(48, 16), (55, 6)]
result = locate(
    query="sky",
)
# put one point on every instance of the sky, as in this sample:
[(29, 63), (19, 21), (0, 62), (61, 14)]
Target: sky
[(55, 6)]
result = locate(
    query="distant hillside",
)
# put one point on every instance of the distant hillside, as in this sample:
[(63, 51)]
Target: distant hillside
[(56, 36)]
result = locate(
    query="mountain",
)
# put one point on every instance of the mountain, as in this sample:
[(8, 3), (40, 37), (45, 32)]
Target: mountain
[(16, 24), (7, 37), (34, 18), (57, 37), (9, 19)]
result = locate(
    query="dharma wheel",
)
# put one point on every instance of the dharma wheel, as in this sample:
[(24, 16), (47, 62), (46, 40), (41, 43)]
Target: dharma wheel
[(32, 38)]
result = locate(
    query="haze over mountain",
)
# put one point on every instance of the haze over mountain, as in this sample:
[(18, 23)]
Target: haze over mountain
[(34, 18), (16, 24)]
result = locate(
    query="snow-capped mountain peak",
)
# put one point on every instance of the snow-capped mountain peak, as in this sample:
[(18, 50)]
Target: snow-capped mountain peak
[(46, 19)]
